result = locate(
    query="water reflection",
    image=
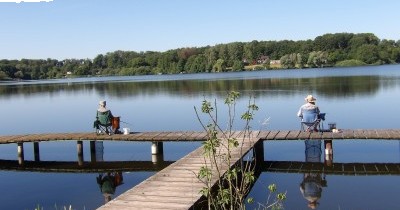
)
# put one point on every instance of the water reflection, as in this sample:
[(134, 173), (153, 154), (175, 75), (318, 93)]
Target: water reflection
[(338, 86), (108, 182), (311, 186)]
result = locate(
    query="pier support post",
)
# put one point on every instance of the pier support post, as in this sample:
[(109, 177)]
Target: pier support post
[(79, 147), (20, 153), (157, 152), (157, 148), (159, 158), (92, 151), (36, 152), (259, 152), (328, 152), (96, 151)]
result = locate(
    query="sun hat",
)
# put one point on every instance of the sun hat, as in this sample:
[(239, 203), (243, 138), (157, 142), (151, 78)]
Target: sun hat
[(310, 98), (102, 103)]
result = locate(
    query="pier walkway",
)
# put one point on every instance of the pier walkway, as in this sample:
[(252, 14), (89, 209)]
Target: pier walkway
[(201, 136), (177, 186)]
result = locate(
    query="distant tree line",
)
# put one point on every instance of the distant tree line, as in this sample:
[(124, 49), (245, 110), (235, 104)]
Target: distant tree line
[(340, 49)]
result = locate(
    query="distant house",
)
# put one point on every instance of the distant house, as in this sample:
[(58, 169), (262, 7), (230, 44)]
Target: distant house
[(276, 62), (263, 59), (260, 60)]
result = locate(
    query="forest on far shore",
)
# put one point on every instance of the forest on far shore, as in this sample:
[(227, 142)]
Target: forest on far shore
[(339, 49)]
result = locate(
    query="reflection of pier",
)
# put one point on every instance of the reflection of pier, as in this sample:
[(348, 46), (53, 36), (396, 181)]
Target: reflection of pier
[(86, 167), (336, 168), (266, 166)]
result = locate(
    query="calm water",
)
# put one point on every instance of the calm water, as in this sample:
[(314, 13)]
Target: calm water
[(354, 98)]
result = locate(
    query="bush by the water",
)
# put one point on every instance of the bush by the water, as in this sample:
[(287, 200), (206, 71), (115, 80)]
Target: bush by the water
[(351, 62)]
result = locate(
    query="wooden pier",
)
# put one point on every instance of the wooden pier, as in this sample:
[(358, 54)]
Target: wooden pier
[(201, 136), (177, 185)]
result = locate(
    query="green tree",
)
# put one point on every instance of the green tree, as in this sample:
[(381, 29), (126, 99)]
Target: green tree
[(219, 66), (317, 59), (235, 53), (368, 53), (250, 50), (238, 65), (3, 75)]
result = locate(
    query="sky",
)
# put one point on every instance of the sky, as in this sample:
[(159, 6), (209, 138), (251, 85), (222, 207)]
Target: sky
[(65, 29)]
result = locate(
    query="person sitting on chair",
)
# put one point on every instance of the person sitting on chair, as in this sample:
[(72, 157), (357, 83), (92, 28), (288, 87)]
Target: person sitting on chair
[(309, 113), (102, 107), (106, 122)]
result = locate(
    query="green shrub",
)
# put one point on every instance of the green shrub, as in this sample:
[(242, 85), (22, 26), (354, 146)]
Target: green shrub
[(351, 62)]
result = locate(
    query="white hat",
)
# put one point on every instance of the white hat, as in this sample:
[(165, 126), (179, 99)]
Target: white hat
[(310, 98), (102, 103)]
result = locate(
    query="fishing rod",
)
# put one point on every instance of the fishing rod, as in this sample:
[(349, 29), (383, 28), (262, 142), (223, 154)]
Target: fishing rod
[(125, 122)]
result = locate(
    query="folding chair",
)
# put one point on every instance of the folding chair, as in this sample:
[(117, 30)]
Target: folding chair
[(103, 123), (311, 121)]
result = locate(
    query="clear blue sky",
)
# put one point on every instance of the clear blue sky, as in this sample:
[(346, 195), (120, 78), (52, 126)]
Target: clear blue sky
[(85, 28)]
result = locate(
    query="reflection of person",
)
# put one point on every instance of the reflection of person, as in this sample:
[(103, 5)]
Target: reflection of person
[(311, 186), (108, 183), (309, 112)]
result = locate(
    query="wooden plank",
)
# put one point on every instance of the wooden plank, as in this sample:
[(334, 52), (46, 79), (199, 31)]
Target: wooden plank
[(385, 134), (173, 136), (338, 135), (185, 135), (195, 135), (263, 134), (316, 135), (304, 135), (162, 136), (326, 135), (394, 134), (151, 135), (281, 135), (348, 134), (4, 139), (272, 135), (360, 134), (135, 135), (292, 135), (202, 136), (371, 134)]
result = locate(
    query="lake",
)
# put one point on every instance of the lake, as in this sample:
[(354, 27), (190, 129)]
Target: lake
[(354, 98)]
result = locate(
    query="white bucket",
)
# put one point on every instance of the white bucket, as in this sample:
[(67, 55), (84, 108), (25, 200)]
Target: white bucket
[(126, 131)]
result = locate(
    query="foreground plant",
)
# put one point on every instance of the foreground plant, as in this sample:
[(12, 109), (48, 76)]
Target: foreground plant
[(232, 188), (276, 203), (236, 178), (38, 207)]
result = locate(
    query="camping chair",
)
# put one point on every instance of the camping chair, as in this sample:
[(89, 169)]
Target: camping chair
[(311, 121), (103, 123)]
